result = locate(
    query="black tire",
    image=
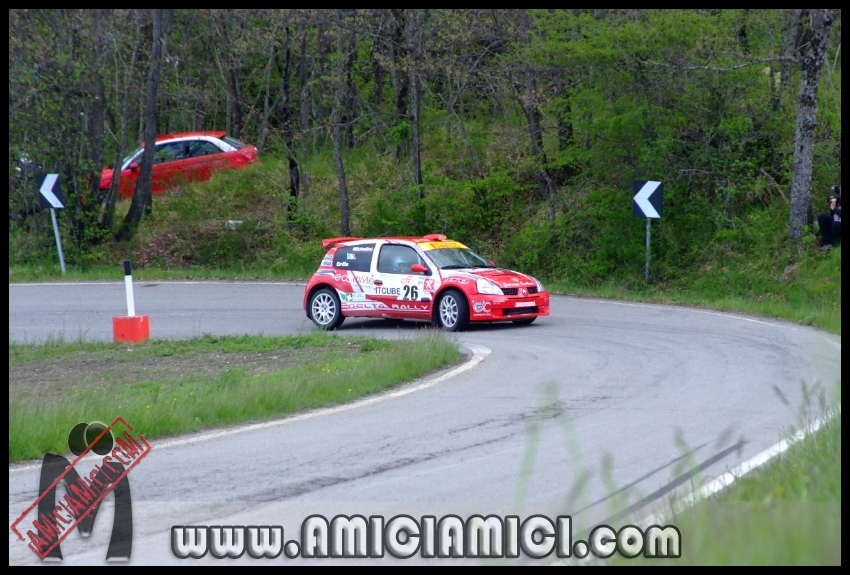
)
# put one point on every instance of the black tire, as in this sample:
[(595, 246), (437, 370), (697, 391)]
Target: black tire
[(325, 309), (524, 321), (452, 311)]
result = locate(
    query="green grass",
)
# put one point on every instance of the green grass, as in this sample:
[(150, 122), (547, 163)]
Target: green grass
[(162, 403), (22, 352), (785, 512), (788, 512), (47, 273), (808, 292)]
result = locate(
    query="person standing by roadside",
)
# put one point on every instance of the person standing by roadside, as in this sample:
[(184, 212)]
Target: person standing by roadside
[(830, 224)]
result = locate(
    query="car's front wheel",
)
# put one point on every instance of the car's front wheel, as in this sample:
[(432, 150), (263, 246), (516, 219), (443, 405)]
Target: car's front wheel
[(452, 313), (325, 309)]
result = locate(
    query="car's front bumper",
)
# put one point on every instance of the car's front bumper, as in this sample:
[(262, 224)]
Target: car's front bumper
[(507, 308)]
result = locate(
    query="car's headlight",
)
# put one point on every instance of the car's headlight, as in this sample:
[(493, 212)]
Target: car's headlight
[(487, 287), (539, 285)]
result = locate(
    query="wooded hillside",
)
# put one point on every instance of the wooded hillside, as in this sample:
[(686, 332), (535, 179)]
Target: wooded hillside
[(517, 131)]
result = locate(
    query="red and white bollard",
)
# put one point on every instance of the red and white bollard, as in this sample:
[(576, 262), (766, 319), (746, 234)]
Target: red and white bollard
[(131, 328)]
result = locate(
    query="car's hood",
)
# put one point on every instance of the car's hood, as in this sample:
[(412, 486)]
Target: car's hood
[(501, 277)]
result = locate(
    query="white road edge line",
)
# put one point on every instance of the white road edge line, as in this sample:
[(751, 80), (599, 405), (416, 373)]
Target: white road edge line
[(479, 353), (738, 472), (715, 486)]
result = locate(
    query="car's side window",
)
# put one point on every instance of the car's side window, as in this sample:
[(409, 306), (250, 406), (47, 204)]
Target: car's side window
[(169, 152), (395, 259), (354, 258), (202, 148)]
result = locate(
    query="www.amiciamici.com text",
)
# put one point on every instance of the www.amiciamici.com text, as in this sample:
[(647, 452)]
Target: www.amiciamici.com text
[(404, 536)]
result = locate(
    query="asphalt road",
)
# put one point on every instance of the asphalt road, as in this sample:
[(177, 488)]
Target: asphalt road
[(601, 411)]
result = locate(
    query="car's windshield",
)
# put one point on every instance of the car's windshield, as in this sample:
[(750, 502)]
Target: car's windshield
[(234, 142), (457, 258), (129, 157)]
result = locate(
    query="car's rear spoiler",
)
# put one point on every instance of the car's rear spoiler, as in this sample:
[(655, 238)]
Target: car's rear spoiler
[(331, 241)]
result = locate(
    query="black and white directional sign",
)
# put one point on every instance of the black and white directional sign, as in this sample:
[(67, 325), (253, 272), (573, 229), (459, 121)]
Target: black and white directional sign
[(50, 195), (647, 200)]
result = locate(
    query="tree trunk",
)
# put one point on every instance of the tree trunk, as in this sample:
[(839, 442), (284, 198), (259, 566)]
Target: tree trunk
[(289, 123), (351, 89), (234, 109), (98, 106), (413, 34), (817, 28), (565, 133), (324, 69), (743, 40), (565, 122), (787, 47), (142, 202), (235, 103), (95, 115), (378, 75), (339, 94), (788, 40), (399, 80), (532, 115), (302, 79), (112, 196), (267, 99)]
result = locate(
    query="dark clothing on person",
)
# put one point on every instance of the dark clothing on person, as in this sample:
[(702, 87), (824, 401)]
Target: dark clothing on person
[(830, 226)]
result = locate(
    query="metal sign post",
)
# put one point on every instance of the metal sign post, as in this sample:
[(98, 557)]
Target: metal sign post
[(647, 204), (58, 240), (50, 196), (647, 248)]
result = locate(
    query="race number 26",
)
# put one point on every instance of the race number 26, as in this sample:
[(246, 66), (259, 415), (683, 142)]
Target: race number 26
[(410, 293)]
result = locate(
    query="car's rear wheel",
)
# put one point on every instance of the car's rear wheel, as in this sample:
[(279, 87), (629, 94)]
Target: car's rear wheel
[(525, 321), (452, 313), (325, 309)]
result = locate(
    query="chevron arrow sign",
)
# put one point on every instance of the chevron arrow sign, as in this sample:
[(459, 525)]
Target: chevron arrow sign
[(647, 200), (50, 194)]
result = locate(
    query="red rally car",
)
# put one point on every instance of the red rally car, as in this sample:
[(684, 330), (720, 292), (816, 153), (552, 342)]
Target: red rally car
[(427, 278)]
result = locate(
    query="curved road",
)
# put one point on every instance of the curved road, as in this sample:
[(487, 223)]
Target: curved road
[(602, 411)]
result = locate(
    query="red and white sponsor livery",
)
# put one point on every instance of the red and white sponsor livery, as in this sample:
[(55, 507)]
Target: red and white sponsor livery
[(427, 278)]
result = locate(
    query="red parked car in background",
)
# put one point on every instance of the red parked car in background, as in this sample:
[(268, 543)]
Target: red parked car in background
[(182, 158)]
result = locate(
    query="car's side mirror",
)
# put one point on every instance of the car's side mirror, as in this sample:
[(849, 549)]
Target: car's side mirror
[(418, 269), (133, 167), (493, 263)]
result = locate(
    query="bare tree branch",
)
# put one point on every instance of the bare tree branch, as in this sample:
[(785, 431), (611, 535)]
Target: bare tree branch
[(716, 69)]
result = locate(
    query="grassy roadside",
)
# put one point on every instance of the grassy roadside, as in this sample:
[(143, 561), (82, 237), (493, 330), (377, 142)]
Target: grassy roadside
[(170, 387), (44, 273), (787, 512), (807, 291)]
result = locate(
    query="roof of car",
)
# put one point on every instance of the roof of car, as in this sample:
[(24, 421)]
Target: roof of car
[(190, 135), (326, 243)]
